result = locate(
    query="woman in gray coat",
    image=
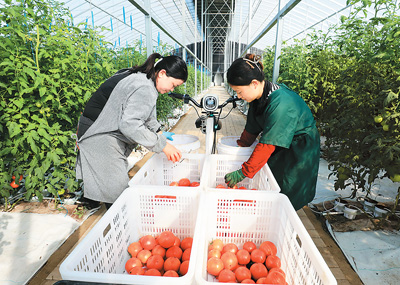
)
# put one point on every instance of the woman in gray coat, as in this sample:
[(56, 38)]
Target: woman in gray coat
[(120, 115)]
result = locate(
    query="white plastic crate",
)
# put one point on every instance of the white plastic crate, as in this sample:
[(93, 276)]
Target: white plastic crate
[(240, 216), (158, 170), (218, 165), (139, 211)]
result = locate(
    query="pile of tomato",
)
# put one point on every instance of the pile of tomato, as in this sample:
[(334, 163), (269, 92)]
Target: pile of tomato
[(221, 186), (248, 265), (184, 182), (164, 255)]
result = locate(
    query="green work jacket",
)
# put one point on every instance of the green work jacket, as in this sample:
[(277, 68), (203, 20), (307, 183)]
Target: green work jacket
[(288, 124)]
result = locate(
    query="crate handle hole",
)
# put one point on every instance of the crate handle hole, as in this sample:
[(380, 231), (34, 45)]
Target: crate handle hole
[(298, 240), (106, 230)]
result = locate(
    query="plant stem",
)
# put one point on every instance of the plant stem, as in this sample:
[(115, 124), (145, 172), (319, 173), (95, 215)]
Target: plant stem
[(37, 48)]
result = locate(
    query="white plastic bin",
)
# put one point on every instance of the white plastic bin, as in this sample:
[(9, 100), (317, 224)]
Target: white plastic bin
[(241, 216), (139, 211), (228, 145), (158, 170), (218, 165), (186, 143)]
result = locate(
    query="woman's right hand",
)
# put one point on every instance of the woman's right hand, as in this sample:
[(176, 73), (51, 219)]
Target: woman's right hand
[(173, 154)]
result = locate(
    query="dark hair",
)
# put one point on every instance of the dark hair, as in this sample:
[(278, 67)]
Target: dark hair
[(173, 65), (243, 70)]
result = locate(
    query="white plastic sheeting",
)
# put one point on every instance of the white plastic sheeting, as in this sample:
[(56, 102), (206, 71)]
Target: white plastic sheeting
[(27, 241), (374, 255)]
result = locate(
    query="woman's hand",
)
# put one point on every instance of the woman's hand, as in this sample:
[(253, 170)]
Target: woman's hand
[(173, 154)]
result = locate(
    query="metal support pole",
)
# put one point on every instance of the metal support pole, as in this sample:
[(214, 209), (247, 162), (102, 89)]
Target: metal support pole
[(184, 39), (278, 44), (195, 47), (147, 21)]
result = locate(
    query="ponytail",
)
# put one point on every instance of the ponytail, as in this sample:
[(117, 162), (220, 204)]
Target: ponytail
[(173, 65), (243, 70)]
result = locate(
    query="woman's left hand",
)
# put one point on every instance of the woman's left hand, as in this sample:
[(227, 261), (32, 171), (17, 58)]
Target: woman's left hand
[(173, 154), (234, 177)]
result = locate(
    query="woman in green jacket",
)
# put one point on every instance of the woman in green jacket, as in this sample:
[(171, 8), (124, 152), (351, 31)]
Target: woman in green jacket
[(289, 140)]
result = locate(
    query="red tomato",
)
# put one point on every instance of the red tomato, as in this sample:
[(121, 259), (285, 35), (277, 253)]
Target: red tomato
[(220, 186), (14, 185), (214, 266), (276, 277), (230, 260), (269, 248), (258, 255), (134, 248), (183, 269), (243, 257), (249, 246), (279, 270), (177, 241), (242, 273), (242, 187), (156, 262), (174, 251), (144, 255), (248, 281), (132, 262), (194, 184), (230, 247), (272, 261), (262, 280), (148, 242), (158, 250), (166, 239), (258, 270), (214, 253), (136, 271), (173, 183), (186, 254), (186, 243), (170, 273), (227, 276), (216, 244), (172, 263), (184, 182), (152, 272)]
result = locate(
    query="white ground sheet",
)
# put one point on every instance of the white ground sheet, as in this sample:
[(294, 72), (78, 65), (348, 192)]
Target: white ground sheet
[(374, 255), (27, 241)]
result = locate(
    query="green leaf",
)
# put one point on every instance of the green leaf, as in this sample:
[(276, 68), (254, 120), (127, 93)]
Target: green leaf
[(32, 144), (44, 134), (14, 129), (42, 91), (19, 102)]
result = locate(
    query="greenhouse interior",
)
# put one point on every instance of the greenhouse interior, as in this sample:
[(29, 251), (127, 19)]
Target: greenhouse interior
[(247, 141)]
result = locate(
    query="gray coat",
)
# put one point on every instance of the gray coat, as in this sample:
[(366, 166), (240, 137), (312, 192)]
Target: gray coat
[(127, 119)]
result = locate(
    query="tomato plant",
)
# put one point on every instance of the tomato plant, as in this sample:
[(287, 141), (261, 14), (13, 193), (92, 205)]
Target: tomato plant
[(349, 78), (49, 69)]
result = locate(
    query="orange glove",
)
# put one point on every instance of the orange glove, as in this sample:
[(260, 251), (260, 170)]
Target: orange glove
[(246, 139), (258, 159)]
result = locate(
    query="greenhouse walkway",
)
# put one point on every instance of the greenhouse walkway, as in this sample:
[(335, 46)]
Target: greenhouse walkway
[(232, 125)]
